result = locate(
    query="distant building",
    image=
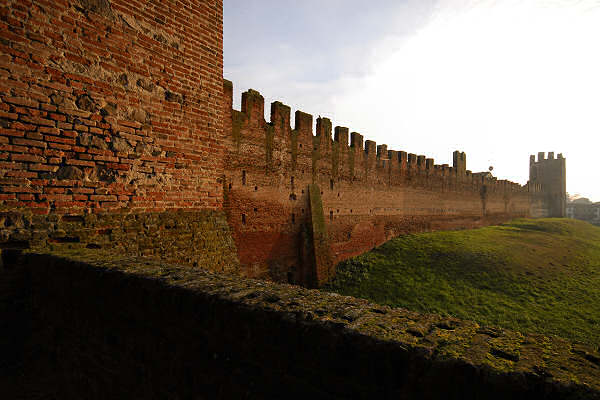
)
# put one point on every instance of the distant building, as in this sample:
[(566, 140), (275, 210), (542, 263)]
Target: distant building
[(584, 210)]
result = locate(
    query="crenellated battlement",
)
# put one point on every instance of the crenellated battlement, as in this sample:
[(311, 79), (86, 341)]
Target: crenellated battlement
[(363, 192), (331, 148), (541, 158)]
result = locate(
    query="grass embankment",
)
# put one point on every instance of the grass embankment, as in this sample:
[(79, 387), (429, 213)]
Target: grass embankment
[(528, 275)]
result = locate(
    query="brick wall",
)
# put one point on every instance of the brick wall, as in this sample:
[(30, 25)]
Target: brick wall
[(369, 194), (110, 104), (111, 128), (193, 238), (117, 108)]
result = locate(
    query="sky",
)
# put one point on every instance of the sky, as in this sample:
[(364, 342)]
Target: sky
[(498, 79)]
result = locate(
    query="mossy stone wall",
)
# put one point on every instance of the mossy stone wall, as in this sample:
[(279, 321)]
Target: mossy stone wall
[(195, 238), (105, 326)]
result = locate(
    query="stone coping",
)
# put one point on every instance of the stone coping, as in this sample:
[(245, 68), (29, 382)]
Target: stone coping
[(510, 356)]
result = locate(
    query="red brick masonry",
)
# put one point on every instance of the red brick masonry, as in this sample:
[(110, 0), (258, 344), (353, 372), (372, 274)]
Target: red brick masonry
[(118, 107), (369, 194), (109, 105)]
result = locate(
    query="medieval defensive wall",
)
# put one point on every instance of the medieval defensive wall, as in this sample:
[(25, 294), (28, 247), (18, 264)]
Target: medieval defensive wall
[(119, 144), (366, 193), (117, 131)]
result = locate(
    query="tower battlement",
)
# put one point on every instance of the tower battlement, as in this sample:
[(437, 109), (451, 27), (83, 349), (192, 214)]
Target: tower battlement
[(549, 173)]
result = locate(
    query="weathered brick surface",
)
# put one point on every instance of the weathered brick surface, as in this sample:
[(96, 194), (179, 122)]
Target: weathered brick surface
[(111, 132), (110, 104), (194, 238), (109, 327), (369, 194)]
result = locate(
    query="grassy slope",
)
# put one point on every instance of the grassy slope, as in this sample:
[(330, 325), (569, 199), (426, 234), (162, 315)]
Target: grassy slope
[(528, 275)]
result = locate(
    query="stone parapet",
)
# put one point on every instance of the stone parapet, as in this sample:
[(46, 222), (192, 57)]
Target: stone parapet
[(121, 326)]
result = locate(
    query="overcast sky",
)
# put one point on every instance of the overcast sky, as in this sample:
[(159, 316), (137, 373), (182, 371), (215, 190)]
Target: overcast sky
[(498, 79)]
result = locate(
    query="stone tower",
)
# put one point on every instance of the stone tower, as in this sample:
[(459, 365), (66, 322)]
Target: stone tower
[(459, 162), (551, 174)]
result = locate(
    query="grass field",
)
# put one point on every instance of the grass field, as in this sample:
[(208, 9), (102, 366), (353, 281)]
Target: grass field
[(528, 275)]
